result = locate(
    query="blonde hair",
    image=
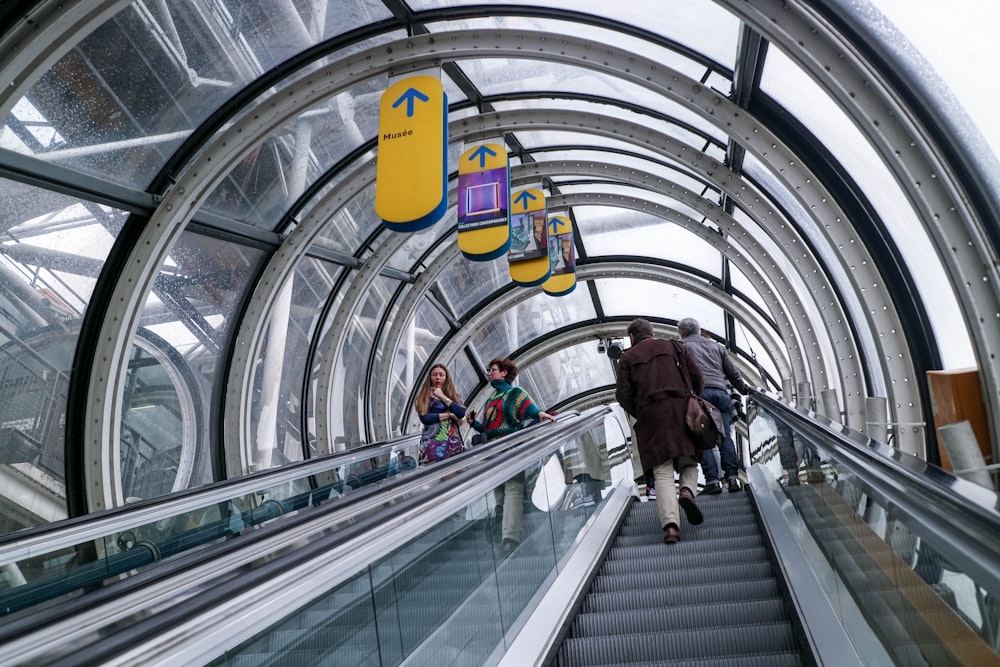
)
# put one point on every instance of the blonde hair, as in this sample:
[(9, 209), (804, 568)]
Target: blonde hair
[(423, 399)]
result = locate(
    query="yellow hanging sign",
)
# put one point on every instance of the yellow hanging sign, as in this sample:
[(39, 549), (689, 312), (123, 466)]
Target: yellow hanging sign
[(562, 255), (411, 175), (483, 202), (529, 238)]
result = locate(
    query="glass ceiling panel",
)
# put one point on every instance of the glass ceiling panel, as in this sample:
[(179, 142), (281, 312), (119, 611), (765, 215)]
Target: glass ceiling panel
[(607, 187), (466, 284), (743, 285), (749, 343), (699, 24), (121, 101), (610, 231), (265, 183), (696, 133), (660, 167), (530, 320), (566, 373), (628, 297), (800, 95), (955, 41)]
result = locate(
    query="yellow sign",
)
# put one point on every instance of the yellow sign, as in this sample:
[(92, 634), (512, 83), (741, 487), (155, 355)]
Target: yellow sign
[(483, 202), (562, 255), (411, 177), (529, 238)]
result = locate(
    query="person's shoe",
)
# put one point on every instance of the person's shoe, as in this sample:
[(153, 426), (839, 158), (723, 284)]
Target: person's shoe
[(734, 485), (671, 534), (509, 545), (712, 488), (690, 507), (651, 493)]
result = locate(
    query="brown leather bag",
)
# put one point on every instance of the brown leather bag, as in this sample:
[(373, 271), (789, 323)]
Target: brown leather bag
[(703, 420)]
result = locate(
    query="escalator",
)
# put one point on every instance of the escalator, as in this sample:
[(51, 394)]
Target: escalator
[(844, 554), (715, 597)]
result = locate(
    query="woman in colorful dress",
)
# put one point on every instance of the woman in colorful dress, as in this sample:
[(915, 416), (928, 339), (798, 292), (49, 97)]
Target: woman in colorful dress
[(440, 413)]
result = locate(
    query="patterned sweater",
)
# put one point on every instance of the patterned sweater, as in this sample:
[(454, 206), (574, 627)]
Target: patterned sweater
[(506, 410)]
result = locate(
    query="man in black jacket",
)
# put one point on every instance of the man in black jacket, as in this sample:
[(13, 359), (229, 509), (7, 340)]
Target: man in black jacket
[(716, 367)]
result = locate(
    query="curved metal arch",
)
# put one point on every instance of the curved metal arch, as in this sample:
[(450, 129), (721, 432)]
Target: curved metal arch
[(785, 311), (930, 179), (837, 238), (403, 55), (775, 347)]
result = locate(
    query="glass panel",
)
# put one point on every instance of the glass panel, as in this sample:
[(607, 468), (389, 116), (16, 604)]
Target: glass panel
[(458, 591), (919, 604), (466, 284), (350, 378), (839, 134), (411, 364), (65, 570), (702, 25), (177, 362), (122, 100), (568, 372), (502, 77), (530, 320), (612, 38), (52, 251), (952, 41), (275, 412), (644, 298), (607, 230), (264, 185)]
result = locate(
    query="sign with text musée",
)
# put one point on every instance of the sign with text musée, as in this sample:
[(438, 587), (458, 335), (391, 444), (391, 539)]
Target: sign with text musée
[(411, 175), (529, 238), (484, 202), (562, 255)]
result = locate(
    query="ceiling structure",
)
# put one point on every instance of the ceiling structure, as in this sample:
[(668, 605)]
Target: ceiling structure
[(195, 283)]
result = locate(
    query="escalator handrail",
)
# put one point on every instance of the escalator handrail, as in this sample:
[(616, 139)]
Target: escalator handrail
[(71, 532), (148, 605), (961, 518)]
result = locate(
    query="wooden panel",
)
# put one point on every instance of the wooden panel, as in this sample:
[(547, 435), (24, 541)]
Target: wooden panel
[(957, 396)]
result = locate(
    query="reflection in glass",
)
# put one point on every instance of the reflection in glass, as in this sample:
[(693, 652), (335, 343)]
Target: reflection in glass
[(190, 311), (923, 608), (453, 594), (276, 411), (51, 253), (117, 109)]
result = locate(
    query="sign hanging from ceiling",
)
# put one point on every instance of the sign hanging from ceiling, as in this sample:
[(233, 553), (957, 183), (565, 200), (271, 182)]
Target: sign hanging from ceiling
[(411, 175), (529, 238), (484, 202), (562, 255)]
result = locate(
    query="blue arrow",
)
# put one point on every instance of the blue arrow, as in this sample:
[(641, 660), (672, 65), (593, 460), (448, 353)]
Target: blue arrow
[(409, 96), (554, 225), (481, 153), (524, 198)]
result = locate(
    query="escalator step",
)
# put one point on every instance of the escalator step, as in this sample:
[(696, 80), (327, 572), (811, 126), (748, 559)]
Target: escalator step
[(762, 660), (687, 595), (734, 644), (680, 577), (653, 543), (706, 531), (665, 558), (640, 620)]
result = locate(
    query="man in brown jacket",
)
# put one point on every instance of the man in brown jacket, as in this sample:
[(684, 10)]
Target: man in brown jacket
[(652, 390)]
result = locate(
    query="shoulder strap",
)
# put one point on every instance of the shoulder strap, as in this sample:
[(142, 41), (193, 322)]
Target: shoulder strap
[(682, 352)]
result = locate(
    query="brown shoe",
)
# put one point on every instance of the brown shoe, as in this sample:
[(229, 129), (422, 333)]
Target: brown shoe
[(690, 507), (671, 534)]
